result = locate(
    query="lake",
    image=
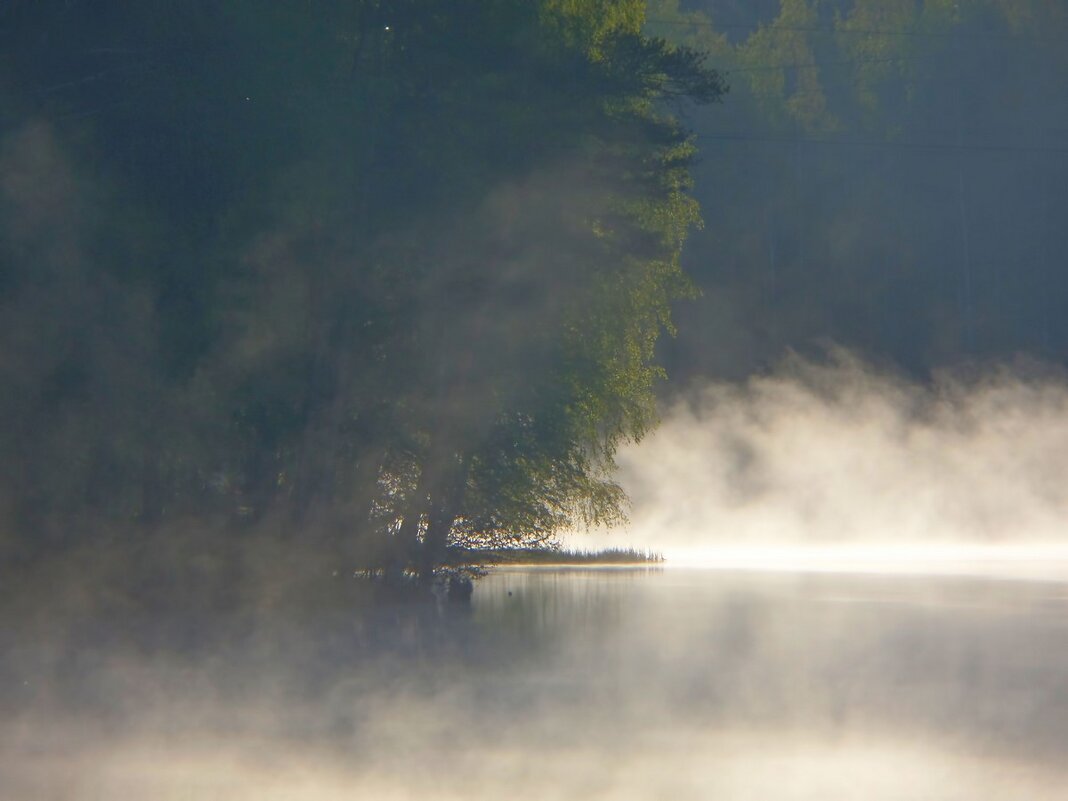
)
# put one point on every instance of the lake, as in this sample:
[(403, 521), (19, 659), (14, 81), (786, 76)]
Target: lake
[(556, 683)]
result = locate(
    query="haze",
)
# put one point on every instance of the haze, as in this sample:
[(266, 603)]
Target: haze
[(867, 465), (311, 313)]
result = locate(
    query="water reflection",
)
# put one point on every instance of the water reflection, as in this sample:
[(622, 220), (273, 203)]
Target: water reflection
[(587, 684)]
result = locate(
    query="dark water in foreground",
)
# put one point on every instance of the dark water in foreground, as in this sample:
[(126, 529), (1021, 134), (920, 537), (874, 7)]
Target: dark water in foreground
[(579, 684)]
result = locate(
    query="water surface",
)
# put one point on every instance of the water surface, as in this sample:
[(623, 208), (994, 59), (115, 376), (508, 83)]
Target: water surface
[(580, 683)]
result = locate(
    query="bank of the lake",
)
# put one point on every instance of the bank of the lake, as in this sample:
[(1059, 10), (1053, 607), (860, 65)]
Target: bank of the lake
[(557, 556)]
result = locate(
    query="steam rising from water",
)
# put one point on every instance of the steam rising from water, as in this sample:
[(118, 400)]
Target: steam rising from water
[(840, 454), (677, 683), (594, 684)]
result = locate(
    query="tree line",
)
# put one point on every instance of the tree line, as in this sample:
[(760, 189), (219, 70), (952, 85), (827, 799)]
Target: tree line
[(888, 176)]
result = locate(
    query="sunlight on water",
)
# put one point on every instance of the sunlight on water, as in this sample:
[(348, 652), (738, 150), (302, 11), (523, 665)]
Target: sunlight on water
[(770, 685), (1037, 562), (677, 765)]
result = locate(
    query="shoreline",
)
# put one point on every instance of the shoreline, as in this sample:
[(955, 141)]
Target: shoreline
[(560, 557)]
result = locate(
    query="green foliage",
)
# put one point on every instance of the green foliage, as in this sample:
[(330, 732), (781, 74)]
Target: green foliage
[(888, 177), (394, 271)]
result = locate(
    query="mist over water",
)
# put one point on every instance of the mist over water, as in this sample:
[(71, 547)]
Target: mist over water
[(281, 282), (842, 456), (792, 671), (881, 621), (558, 683)]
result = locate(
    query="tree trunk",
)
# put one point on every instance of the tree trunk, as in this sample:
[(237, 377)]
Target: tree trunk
[(436, 541), (406, 541), (446, 502)]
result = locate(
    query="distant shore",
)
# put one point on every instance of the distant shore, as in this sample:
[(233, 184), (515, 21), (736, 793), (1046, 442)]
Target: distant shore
[(559, 556)]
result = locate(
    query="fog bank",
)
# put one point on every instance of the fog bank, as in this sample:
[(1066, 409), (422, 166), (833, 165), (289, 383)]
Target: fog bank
[(840, 453), (575, 684)]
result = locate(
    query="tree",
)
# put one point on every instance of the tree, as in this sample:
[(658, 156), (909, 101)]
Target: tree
[(537, 350), (877, 183), (403, 265)]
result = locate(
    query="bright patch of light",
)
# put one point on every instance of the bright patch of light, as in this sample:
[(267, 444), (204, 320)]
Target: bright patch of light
[(1037, 561)]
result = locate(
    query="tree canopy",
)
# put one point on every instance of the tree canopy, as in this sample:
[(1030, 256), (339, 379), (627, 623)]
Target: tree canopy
[(389, 275)]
